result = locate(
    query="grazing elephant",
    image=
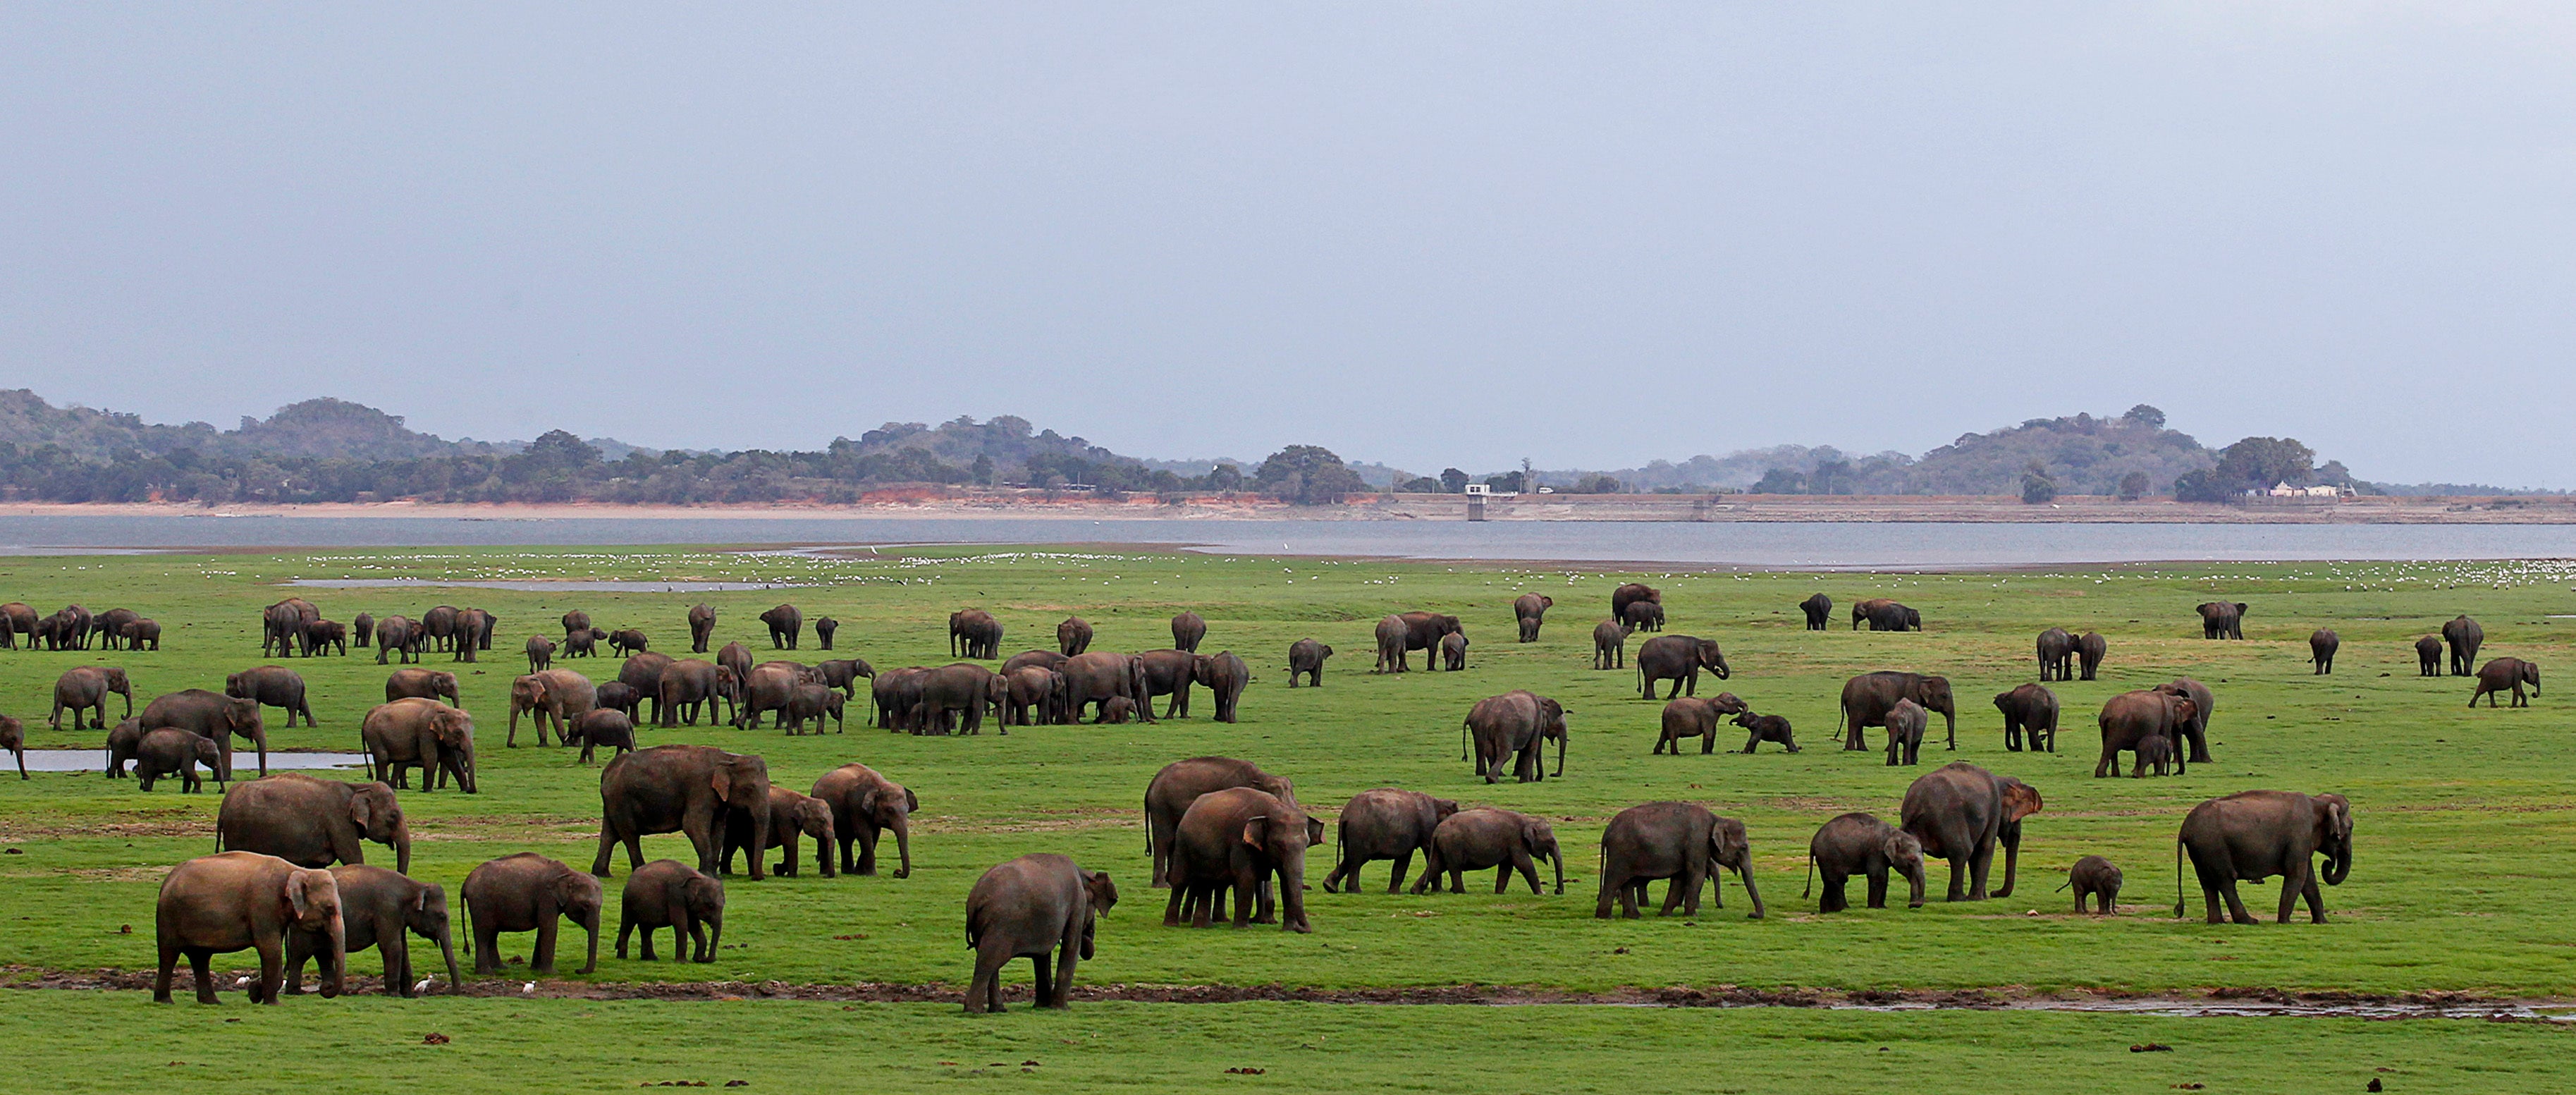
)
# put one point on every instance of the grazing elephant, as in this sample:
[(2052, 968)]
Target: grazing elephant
[(2464, 636), (1180, 783), (86, 688), (13, 737), (1762, 728), (1306, 659), (2130, 718), (1387, 823), (1037, 907), (2056, 655), (643, 673), (691, 685), (1960, 812), (2095, 877), (1885, 615), (974, 633), (438, 625), (215, 717), (1423, 631), (702, 630), (2252, 835), (362, 630), (786, 626), (2031, 709), (556, 696), (272, 686), (541, 653), (398, 635), (814, 703), (427, 684), (1819, 609), (1225, 675), (419, 733), (377, 908), (2428, 656), (2322, 644), (1453, 652), (320, 636), (1610, 644), (2203, 705), (667, 893), (1239, 840), (146, 635), (1188, 630), (603, 725), (681, 789), (1030, 696), (527, 892), (236, 901), (1644, 616), (1094, 676), (627, 642), (824, 628), (1529, 610), (312, 822), (2505, 674), (965, 688), (1681, 841), (789, 814), (2222, 619), (1691, 717), (1473, 840), (1869, 697), (1905, 723), (2089, 648), (865, 806), (170, 751), (1629, 594), (1678, 658), (1073, 636), (1515, 726), (1860, 844)]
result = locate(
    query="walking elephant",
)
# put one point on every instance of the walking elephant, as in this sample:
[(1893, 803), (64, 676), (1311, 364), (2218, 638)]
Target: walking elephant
[(419, 733), (790, 814), (312, 822), (681, 789), (1237, 841), (2222, 619), (1514, 726), (1040, 907), (2428, 656), (1188, 630), (428, 684), (667, 893), (1225, 675), (1610, 644), (215, 717), (86, 688), (541, 653), (362, 630), (1507, 841), (690, 686), (170, 751), (1679, 659), (1033, 695), (1169, 794), (1819, 609), (2506, 674), (1770, 728), (2253, 835), (2463, 636), (702, 630), (1691, 717), (1529, 610), (1306, 659), (2129, 719), (529, 892), (2031, 709), (824, 628), (1859, 844), (627, 642), (380, 909), (398, 635), (556, 696), (13, 737), (2056, 655), (2322, 644), (1387, 823), (237, 901), (1905, 723), (786, 626), (1869, 697), (272, 686), (865, 805), (643, 673), (1960, 812), (1681, 841), (438, 627), (1073, 636)]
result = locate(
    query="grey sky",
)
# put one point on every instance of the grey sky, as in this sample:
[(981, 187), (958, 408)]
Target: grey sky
[(1458, 234)]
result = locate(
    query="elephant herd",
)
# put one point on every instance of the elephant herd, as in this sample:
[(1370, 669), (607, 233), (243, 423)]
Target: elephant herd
[(72, 627)]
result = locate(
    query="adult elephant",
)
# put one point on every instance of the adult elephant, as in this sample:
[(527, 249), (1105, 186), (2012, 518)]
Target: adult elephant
[(1387, 823), (272, 686), (1390, 646), (237, 901), (398, 635), (17, 618), (865, 806), (2056, 655), (1189, 629), (362, 630), (1032, 695), (2503, 675), (1039, 907), (529, 892), (681, 789), (974, 633), (212, 716), (2222, 619), (1180, 783), (1886, 615), (1960, 812), (1241, 839), (1869, 697), (555, 696), (2253, 835), (1095, 676), (786, 626), (1043, 659), (1632, 593), (1424, 630), (2030, 709), (1509, 841), (1691, 717), (2203, 705), (312, 822), (1680, 841), (438, 626), (2463, 636), (1073, 636), (790, 814), (2322, 644), (1529, 610), (428, 684), (86, 688), (1859, 844), (824, 628), (897, 692), (109, 627), (1819, 609), (1644, 616), (473, 632), (1306, 659), (2129, 719), (1169, 673), (736, 657), (2089, 648), (380, 909), (1678, 658), (2428, 656), (575, 622), (324, 637), (702, 627), (146, 635), (1515, 726), (281, 623), (643, 673), (1225, 675), (688, 686), (13, 737), (419, 733), (964, 689)]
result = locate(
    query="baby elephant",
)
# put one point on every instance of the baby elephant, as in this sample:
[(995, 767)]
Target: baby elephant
[(1116, 710), (1690, 717), (604, 726), (1453, 651), (1765, 728), (170, 751), (667, 893), (1905, 723), (1861, 844), (1306, 659), (1036, 907), (2095, 876), (2154, 751), (1472, 840)]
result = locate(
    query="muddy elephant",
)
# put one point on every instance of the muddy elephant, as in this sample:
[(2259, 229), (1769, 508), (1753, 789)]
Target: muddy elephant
[(2029, 709), (2056, 655), (865, 806), (213, 716), (1691, 717), (528, 892), (1905, 723), (1073, 636), (2253, 835), (1529, 610), (790, 814), (398, 636), (1679, 659), (681, 789), (380, 909), (1387, 823), (428, 684), (2203, 705), (1961, 812), (974, 633), (556, 697), (2428, 656), (1169, 794), (1680, 841), (690, 686), (2506, 674), (1225, 675), (1507, 841), (1629, 594), (1516, 727), (1189, 629), (237, 901), (1869, 697), (702, 627), (1644, 616), (170, 751), (312, 822), (667, 893), (1610, 644), (786, 626), (1236, 842), (86, 688), (963, 689), (1860, 844), (272, 686), (1306, 659), (1040, 907), (1097, 675), (1819, 609), (419, 733), (2089, 648), (2222, 619), (2463, 636)]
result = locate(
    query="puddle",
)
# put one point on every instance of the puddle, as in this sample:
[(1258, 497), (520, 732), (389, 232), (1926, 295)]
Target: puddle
[(95, 760), (568, 586)]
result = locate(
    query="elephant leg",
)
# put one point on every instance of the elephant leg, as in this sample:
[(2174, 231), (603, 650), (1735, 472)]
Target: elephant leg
[(542, 957), (397, 954), (1958, 880), (198, 957), (626, 931), (487, 946), (1529, 870), (1831, 900), (1172, 906), (2226, 889), (1878, 888), (272, 970), (868, 851), (1161, 830), (2293, 882), (1043, 995), (1707, 741), (1394, 882), (2316, 898), (649, 956)]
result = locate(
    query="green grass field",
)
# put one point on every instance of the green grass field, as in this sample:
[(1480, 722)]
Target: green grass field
[(2463, 849)]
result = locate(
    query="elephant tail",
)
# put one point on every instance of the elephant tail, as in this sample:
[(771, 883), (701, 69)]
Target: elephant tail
[(1811, 875), (2061, 887), (1463, 747), (2177, 878)]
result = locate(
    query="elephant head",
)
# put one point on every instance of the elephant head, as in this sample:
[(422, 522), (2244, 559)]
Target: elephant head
[(116, 681), (1551, 724), (728, 686), (427, 917), (1711, 658), (1541, 842), (1934, 694), (373, 808), (705, 893), (1905, 856), (1728, 847), (2020, 800), (312, 899), (578, 898), (1104, 897), (1283, 838), (1728, 703), (2334, 835), (813, 817), (893, 814), (527, 693), (1278, 787), (453, 730), (2531, 676)]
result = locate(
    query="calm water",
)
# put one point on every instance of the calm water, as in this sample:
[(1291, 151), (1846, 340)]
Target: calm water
[(1790, 545), (95, 760)]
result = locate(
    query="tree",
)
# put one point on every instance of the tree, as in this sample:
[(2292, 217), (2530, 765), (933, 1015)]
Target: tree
[(2147, 416), (2258, 462), (2201, 485), (982, 470), (1779, 481), (1832, 477), (1423, 484), (1308, 474), (1510, 482), (1454, 481), (2036, 487), (2133, 486), (1596, 484)]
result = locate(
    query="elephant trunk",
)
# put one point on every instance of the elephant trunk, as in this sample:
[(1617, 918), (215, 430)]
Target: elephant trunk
[(715, 931), (1744, 871), (759, 837), (1558, 854), (827, 849), (1560, 753), (402, 848), (1914, 887), (590, 924), (2338, 864), (2012, 857), (332, 978), (447, 950), (1292, 897), (903, 846)]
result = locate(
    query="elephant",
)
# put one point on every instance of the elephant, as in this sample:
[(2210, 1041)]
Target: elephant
[(1240, 839), (2428, 656), (281, 624), (1681, 841), (1188, 630), (1169, 794), (1819, 609), (145, 634), (1905, 723), (236, 901), (628, 642), (2252, 835), (1644, 616), (974, 633), (736, 657), (643, 673), (427, 684), (1306, 659), (17, 618), (170, 751), (1037, 907), (1515, 726), (13, 737), (272, 686), (1610, 644), (963, 687), (312, 822), (583, 644), (609, 726), (1073, 636), (2464, 636), (789, 814), (438, 625), (1869, 697), (212, 716), (473, 632), (398, 635), (2222, 619), (541, 653), (2096, 878), (528, 892), (1390, 646), (824, 628), (362, 630), (690, 685), (1387, 823), (320, 636), (1678, 658), (681, 789), (897, 692), (618, 696), (2089, 648), (1422, 631), (1453, 652), (1032, 696), (2322, 644), (108, 628), (1529, 610), (1691, 717), (1095, 676), (121, 744), (1869, 611), (2031, 709), (2056, 655), (86, 688), (2203, 705), (814, 702), (667, 893), (2506, 674), (865, 806), (1169, 672), (844, 674), (1629, 594), (420, 733), (1118, 711), (1043, 659), (380, 909), (1960, 812), (786, 626), (1762, 728), (2156, 754), (1472, 840), (1225, 675), (1861, 844), (2130, 718), (555, 696), (575, 622)]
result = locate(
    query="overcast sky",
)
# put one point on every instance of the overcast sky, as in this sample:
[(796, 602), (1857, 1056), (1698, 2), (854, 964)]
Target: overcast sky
[(1590, 235)]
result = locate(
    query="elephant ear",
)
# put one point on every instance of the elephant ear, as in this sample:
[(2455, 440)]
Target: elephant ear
[(1104, 893), (911, 802), (570, 890), (720, 776), (296, 896), (361, 810), (1314, 830), (1535, 833), (2020, 801), (1256, 831), (2334, 820)]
